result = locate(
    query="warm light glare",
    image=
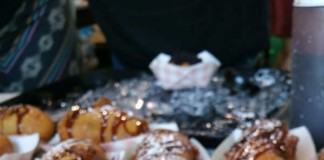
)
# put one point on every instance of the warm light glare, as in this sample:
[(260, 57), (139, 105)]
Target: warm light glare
[(139, 104), (75, 108)]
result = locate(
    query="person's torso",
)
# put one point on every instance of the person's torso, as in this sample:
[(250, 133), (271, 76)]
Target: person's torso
[(141, 29)]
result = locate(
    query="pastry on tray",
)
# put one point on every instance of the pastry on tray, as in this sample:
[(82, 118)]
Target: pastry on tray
[(265, 140), (75, 150), (165, 144), (100, 124), (5, 145), (25, 119)]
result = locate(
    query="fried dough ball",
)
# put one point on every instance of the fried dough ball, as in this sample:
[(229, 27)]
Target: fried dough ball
[(5, 145), (165, 144), (75, 150), (25, 119), (270, 155), (265, 140)]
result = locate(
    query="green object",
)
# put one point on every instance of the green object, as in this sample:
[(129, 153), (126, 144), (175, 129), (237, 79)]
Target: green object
[(276, 47)]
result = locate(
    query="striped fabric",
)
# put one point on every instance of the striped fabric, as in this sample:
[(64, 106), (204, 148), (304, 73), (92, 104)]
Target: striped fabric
[(42, 47)]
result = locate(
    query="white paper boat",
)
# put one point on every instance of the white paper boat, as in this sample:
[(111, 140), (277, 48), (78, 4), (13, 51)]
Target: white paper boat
[(173, 77)]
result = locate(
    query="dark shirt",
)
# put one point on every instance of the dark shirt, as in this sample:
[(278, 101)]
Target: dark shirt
[(233, 30)]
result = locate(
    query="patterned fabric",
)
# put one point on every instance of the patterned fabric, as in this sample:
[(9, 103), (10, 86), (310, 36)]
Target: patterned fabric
[(36, 46)]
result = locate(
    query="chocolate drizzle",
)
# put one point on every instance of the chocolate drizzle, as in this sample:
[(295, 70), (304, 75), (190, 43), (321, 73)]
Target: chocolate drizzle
[(19, 110), (104, 118), (2, 116), (263, 136), (120, 118), (72, 116)]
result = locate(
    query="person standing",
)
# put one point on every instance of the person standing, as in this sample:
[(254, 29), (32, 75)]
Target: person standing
[(234, 31)]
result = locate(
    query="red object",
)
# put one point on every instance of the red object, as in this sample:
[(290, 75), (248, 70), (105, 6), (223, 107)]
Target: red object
[(281, 17)]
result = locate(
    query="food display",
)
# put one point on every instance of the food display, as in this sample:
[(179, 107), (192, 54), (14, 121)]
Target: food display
[(165, 144), (74, 150), (96, 127), (26, 119), (230, 100), (5, 145), (100, 124), (265, 140)]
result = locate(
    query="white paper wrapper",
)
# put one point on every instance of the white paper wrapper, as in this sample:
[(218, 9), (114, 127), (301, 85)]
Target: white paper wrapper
[(173, 77), (25, 146), (122, 149), (169, 126), (125, 149), (152, 126), (305, 147), (54, 141)]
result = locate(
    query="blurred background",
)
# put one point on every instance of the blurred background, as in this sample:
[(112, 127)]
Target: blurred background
[(42, 41), (277, 55)]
